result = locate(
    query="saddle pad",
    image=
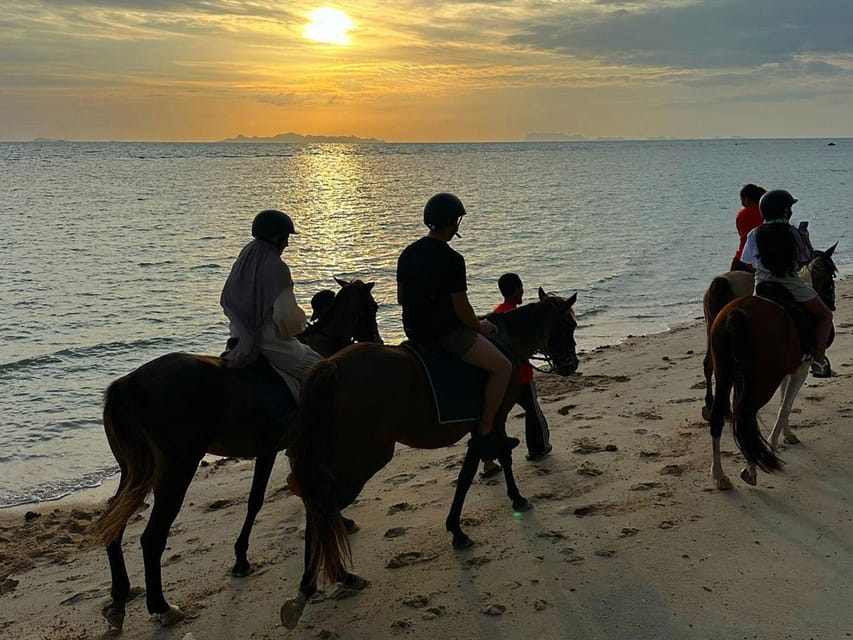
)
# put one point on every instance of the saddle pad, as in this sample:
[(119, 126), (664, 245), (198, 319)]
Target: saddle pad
[(803, 321), (457, 387), (271, 393)]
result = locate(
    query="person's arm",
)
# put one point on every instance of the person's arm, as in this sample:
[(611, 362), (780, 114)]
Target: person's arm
[(287, 315)]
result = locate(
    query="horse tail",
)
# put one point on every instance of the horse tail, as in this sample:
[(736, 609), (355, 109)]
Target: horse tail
[(750, 441), (135, 457), (313, 479), (719, 294)]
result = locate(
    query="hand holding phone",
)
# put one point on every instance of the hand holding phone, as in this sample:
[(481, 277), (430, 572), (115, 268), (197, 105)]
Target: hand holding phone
[(804, 225)]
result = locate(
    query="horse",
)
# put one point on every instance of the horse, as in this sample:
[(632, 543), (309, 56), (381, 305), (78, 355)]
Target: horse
[(755, 348), (162, 418), (358, 404)]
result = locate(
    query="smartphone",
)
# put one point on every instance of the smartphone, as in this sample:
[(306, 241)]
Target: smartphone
[(804, 225)]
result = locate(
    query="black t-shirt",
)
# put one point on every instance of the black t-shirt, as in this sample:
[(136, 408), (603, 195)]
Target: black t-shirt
[(428, 271)]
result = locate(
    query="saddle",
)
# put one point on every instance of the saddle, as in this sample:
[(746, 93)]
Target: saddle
[(457, 387), (272, 394), (802, 320)]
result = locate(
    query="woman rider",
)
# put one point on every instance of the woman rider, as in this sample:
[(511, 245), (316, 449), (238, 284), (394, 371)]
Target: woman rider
[(258, 300)]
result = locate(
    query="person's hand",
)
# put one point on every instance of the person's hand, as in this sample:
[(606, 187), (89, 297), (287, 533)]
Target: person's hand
[(487, 328)]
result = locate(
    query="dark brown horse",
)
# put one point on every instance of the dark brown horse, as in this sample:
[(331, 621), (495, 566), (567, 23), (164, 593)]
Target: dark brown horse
[(755, 349), (163, 417), (358, 404)]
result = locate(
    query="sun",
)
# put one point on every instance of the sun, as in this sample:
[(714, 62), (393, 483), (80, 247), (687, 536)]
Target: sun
[(328, 25)]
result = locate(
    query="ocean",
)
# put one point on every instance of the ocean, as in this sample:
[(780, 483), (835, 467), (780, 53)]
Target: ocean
[(115, 253)]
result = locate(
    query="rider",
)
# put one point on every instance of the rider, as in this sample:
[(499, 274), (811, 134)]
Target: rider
[(777, 250), (746, 220), (258, 300), (536, 431), (321, 303), (431, 287)]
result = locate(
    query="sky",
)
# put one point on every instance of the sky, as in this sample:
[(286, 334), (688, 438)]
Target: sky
[(420, 70)]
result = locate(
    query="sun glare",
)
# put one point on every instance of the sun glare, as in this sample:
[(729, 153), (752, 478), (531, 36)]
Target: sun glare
[(328, 25)]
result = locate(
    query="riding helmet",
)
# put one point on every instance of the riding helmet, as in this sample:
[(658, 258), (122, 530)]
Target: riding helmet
[(442, 209), (271, 224), (776, 204)]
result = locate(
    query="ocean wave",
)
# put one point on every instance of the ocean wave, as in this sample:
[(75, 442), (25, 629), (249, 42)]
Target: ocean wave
[(56, 489), (38, 362)]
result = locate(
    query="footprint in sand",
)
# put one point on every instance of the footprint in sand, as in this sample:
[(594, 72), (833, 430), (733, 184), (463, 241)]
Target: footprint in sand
[(667, 524), (551, 536), (478, 561), (416, 601), (587, 469), (585, 446), (545, 495), (401, 624), (648, 415), (432, 613), (541, 605), (565, 410), (400, 506), (395, 532), (571, 556), (649, 454), (8, 585), (400, 478), (605, 553), (628, 532), (671, 470), (408, 558), (216, 505), (644, 486), (493, 610)]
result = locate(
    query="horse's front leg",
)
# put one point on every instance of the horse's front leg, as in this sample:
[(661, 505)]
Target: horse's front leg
[(519, 502), (789, 389), (463, 483), (263, 469)]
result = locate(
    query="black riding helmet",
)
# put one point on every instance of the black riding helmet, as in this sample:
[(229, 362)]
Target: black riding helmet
[(442, 210), (271, 224), (776, 204)]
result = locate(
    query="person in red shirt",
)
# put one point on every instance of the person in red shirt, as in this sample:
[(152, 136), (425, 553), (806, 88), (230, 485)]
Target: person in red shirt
[(747, 219), (536, 431)]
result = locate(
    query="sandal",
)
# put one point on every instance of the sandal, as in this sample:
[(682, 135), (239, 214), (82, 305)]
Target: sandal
[(821, 369)]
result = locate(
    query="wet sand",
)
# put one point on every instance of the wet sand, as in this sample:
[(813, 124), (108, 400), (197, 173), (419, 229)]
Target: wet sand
[(628, 538)]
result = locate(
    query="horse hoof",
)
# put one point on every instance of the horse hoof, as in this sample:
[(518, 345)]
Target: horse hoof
[(290, 613), (113, 614), (749, 476), (790, 438), (722, 483), (461, 542), (242, 569), (171, 616), (521, 505), (351, 526), (355, 582), (706, 413)]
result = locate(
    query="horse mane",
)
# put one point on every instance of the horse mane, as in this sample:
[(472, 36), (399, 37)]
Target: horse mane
[(522, 323)]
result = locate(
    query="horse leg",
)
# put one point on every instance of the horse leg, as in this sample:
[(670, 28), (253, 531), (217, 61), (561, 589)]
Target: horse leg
[(291, 610), (789, 388), (519, 502), (263, 469), (168, 497), (463, 483), (114, 609), (708, 367), (719, 410)]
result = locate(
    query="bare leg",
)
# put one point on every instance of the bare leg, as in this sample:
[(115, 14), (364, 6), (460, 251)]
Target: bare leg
[(263, 469), (823, 315), (484, 355)]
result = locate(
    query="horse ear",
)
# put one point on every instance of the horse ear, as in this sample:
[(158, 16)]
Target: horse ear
[(542, 294), (369, 286), (573, 299), (343, 283), (828, 253)]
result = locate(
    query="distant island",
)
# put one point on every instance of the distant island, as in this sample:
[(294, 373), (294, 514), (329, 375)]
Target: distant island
[(296, 137)]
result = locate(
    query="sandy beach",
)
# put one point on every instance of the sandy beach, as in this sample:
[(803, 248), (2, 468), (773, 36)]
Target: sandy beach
[(627, 539)]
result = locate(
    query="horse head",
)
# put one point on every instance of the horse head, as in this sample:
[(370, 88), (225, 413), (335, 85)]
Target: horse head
[(558, 338), (822, 270), (355, 300)]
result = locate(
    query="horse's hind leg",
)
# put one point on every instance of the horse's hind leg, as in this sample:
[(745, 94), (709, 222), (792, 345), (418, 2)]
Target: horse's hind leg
[(291, 610), (519, 502), (263, 469), (719, 410), (114, 608), (708, 368), (169, 495), (463, 483), (789, 389)]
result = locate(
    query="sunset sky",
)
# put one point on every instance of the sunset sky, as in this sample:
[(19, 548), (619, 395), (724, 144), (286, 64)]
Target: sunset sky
[(419, 70)]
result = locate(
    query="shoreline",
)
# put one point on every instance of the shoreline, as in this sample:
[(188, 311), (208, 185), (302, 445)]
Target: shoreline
[(627, 537)]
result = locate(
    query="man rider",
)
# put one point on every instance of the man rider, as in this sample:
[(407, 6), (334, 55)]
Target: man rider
[(432, 289), (777, 250), (258, 300)]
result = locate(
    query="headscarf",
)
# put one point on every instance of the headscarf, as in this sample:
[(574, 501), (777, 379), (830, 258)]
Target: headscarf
[(257, 278)]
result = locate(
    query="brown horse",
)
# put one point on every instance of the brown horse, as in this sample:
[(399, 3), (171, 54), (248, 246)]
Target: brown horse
[(755, 348), (358, 404), (163, 417)]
